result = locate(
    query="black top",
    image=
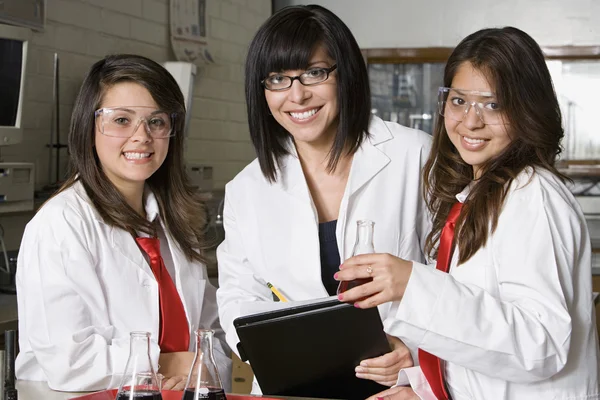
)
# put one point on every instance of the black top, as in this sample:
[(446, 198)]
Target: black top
[(330, 256)]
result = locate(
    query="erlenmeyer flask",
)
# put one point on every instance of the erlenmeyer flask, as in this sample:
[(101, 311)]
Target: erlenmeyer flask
[(362, 245), (139, 380), (203, 381)]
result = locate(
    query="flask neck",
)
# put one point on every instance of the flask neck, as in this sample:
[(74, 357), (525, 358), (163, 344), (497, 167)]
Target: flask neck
[(364, 238), (139, 344), (204, 342)]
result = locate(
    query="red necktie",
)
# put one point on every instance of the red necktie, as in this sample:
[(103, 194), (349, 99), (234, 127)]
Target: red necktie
[(174, 330), (430, 364)]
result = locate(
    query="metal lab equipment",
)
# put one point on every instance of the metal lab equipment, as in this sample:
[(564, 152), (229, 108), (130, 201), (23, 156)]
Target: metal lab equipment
[(16, 187)]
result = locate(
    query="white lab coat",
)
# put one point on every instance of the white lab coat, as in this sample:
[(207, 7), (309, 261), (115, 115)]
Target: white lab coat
[(271, 230), (83, 286), (516, 321)]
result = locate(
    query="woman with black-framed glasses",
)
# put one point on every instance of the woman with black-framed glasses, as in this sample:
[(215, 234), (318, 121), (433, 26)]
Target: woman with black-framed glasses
[(323, 162)]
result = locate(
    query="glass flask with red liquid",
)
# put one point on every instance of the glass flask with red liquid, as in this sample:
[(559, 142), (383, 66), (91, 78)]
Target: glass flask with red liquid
[(139, 380), (362, 245), (203, 381)]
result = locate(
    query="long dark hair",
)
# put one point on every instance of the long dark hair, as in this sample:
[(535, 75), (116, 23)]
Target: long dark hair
[(286, 41), (514, 64), (182, 212)]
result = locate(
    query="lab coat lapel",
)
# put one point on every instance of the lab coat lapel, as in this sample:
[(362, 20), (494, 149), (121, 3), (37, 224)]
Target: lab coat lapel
[(190, 292), (291, 178), (124, 243), (293, 182), (368, 161)]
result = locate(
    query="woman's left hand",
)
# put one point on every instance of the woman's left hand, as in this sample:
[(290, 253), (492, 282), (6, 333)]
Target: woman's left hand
[(174, 383), (390, 276), (384, 369)]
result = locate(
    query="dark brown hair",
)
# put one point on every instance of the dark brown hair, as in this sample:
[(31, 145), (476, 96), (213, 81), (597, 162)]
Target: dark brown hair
[(182, 212), (514, 65), (286, 41)]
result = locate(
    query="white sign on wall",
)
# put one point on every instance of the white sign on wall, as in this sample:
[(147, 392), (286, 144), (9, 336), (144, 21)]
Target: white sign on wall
[(189, 31)]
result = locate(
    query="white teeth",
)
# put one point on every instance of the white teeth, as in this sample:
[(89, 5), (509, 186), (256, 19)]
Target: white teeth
[(136, 156), (473, 141), (304, 115)]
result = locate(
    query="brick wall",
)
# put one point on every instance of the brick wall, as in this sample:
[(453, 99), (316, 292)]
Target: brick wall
[(83, 31)]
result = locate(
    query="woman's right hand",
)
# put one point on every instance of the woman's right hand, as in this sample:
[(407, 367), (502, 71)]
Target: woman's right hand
[(384, 369)]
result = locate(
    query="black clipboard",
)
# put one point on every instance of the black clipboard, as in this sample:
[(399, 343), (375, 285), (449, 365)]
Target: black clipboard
[(311, 350)]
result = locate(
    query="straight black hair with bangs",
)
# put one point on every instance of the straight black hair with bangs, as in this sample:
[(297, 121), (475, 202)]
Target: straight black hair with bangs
[(286, 41)]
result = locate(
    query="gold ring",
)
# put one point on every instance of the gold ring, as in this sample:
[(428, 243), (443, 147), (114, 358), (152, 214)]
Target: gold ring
[(369, 270)]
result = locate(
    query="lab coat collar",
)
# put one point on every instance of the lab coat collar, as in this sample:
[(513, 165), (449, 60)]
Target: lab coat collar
[(463, 194), (368, 161), (150, 203)]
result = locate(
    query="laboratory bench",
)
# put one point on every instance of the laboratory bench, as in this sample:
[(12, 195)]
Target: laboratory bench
[(30, 390)]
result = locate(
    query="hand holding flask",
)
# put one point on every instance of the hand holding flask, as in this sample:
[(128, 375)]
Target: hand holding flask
[(363, 245)]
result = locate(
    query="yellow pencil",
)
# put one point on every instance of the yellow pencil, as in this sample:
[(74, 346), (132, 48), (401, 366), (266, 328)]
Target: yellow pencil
[(276, 292)]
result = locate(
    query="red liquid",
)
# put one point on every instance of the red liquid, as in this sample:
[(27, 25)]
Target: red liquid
[(347, 285), (139, 396), (213, 394)]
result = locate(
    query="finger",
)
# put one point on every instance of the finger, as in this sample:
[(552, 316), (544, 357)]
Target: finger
[(369, 301), (390, 372), (360, 292), (180, 385), (169, 384), (384, 361), (354, 272), (382, 380), (363, 259)]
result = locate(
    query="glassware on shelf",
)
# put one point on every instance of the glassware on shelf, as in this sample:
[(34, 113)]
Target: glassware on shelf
[(139, 380), (203, 381), (363, 245)]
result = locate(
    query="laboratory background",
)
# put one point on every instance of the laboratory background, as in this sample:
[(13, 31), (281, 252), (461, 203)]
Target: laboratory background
[(203, 44)]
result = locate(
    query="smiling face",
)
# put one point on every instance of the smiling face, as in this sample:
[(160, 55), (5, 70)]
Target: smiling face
[(308, 113), (128, 162), (476, 142)]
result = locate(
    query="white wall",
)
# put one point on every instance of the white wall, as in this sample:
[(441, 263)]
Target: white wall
[(83, 31), (443, 23)]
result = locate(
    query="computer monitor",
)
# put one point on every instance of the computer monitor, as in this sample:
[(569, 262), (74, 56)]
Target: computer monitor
[(14, 43)]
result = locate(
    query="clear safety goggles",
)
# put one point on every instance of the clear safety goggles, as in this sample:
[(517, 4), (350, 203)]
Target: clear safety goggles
[(456, 103), (124, 121)]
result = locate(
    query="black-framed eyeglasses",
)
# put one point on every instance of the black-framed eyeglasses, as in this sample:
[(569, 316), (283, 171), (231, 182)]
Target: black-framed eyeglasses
[(313, 76)]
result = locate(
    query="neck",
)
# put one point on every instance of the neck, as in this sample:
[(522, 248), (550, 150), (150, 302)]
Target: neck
[(314, 162), (134, 196)]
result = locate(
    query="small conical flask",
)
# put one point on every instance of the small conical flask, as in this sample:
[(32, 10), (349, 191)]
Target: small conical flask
[(203, 381), (362, 245), (139, 380)]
